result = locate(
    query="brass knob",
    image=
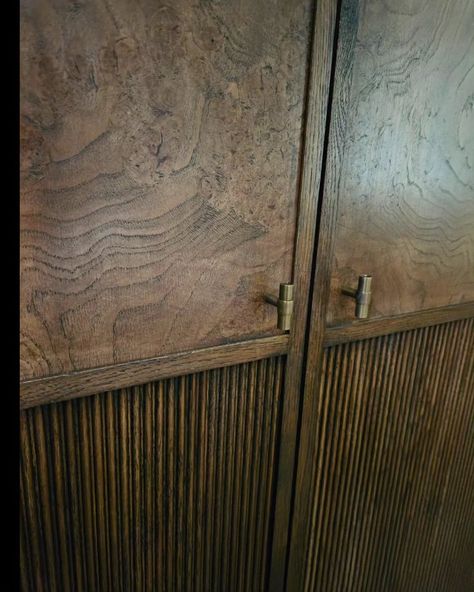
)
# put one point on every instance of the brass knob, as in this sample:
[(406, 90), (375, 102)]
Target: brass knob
[(284, 304), (362, 296)]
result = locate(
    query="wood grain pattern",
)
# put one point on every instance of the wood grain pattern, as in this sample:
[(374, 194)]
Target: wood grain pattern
[(165, 486), (336, 116), (341, 110), (413, 320), (90, 382), (160, 152), (317, 98), (390, 466), (404, 187)]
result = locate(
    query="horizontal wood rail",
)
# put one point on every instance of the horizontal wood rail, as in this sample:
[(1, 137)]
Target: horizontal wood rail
[(405, 322), (89, 382)]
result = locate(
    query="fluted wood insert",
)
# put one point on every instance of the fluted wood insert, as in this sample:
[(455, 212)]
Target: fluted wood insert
[(166, 486), (392, 505)]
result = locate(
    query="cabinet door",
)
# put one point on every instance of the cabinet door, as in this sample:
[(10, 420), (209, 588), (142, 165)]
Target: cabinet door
[(163, 168), (385, 474), (160, 150)]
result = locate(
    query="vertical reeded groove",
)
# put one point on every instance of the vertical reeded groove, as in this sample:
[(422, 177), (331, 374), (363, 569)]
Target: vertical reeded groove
[(165, 486), (393, 469)]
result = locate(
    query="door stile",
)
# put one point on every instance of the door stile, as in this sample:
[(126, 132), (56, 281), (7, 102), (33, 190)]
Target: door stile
[(341, 76), (313, 152)]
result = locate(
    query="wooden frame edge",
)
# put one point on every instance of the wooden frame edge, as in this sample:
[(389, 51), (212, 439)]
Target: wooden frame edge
[(323, 254), (90, 382), (396, 324), (313, 147)]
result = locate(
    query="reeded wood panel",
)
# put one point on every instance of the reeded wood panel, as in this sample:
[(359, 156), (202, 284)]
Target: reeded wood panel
[(167, 486), (160, 144), (402, 173), (391, 474)]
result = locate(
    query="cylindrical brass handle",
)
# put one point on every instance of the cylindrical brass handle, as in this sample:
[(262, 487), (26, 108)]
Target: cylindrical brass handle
[(287, 292), (362, 296), (284, 304)]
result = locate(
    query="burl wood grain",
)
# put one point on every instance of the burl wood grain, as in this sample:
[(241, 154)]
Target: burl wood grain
[(159, 149), (405, 185)]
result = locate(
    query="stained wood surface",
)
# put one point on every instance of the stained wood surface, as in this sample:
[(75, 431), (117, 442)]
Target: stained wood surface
[(385, 494), (338, 560), (318, 94), (160, 151), (359, 330), (89, 382), (404, 186), (165, 486)]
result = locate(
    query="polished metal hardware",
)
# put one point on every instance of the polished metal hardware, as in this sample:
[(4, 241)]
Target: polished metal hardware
[(362, 296), (284, 304)]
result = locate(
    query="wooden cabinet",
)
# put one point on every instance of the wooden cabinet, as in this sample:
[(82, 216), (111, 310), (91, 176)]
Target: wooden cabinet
[(179, 161)]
